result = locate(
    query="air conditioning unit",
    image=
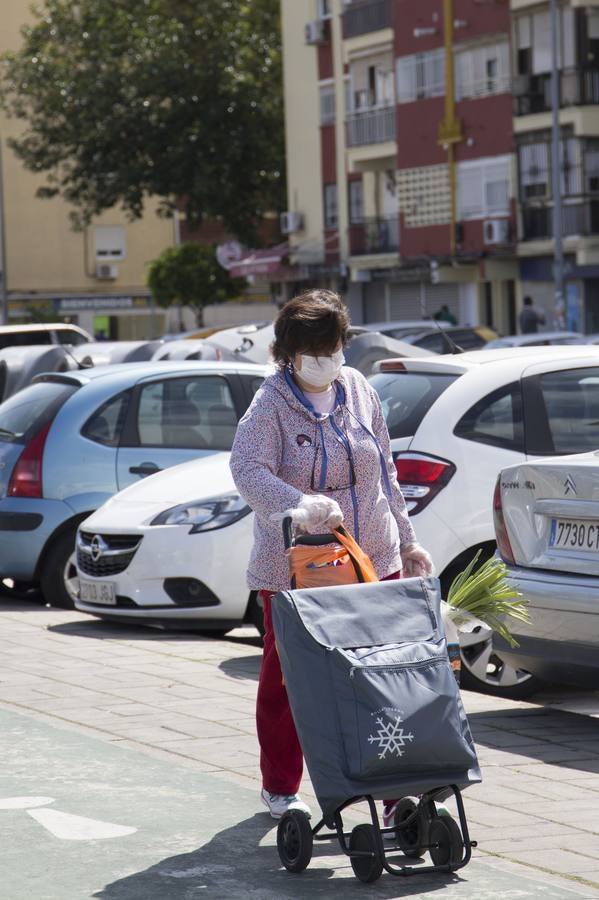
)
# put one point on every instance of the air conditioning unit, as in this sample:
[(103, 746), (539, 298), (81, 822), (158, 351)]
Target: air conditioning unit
[(291, 222), (496, 231), (314, 32), (106, 272)]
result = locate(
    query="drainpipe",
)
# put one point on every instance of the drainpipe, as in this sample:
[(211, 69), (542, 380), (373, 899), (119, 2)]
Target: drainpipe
[(450, 129)]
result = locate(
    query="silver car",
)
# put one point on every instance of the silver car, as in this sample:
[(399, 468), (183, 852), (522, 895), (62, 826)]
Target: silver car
[(547, 527)]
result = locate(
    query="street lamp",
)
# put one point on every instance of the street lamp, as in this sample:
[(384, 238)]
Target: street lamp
[(558, 251)]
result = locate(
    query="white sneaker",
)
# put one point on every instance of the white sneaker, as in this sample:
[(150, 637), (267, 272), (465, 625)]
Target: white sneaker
[(278, 804)]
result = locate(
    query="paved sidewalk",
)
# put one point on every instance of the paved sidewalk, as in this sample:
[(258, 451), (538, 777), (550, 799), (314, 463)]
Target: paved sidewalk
[(154, 734)]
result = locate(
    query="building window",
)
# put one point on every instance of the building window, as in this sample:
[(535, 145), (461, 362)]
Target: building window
[(482, 71), (327, 103), (330, 206), (534, 163), (324, 9), (356, 202), (420, 76), (533, 42), (110, 242), (484, 187)]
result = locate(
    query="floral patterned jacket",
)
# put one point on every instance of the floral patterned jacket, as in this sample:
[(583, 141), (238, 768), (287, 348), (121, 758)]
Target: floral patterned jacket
[(283, 449)]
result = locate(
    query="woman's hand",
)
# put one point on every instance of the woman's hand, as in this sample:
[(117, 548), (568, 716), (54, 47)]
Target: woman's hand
[(313, 512), (416, 562)]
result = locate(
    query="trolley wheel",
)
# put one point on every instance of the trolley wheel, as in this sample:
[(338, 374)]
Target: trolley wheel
[(294, 840), (412, 838), (366, 868), (446, 838)]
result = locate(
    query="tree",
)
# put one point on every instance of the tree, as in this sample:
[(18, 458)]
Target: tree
[(189, 275), (178, 99)]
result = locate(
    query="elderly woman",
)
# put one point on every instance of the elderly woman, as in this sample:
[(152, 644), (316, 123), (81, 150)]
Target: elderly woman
[(314, 441)]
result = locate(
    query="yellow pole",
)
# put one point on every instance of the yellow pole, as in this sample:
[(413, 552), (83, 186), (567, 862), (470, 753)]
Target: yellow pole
[(450, 130)]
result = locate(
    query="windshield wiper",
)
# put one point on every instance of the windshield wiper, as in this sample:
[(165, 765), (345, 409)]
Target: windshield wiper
[(7, 433)]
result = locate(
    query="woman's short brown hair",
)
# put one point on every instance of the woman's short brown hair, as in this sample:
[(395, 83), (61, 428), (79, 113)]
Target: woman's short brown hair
[(315, 322)]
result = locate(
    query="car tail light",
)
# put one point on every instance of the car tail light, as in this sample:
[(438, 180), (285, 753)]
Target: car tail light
[(26, 478), (503, 541), (421, 477)]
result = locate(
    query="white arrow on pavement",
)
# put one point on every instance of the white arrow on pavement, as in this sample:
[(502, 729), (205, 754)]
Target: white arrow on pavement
[(68, 827), (24, 802)]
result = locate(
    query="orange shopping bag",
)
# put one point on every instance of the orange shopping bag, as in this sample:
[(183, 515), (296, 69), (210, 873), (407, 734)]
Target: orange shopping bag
[(325, 560)]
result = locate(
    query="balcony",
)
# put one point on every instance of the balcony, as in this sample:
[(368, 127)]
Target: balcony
[(373, 236), (580, 218), (371, 126), (364, 16), (577, 87)]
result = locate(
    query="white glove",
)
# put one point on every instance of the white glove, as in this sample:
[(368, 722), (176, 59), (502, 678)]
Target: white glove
[(314, 512), (416, 562)]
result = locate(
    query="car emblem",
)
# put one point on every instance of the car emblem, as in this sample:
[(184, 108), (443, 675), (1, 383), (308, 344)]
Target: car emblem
[(570, 485), (97, 547)]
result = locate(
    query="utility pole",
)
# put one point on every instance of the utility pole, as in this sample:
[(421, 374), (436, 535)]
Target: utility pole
[(3, 267), (450, 129), (558, 251)]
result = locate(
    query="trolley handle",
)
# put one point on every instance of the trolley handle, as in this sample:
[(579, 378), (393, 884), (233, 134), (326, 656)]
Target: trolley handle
[(308, 540)]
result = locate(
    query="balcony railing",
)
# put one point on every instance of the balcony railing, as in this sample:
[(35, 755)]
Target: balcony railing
[(374, 236), (366, 15), (577, 87), (371, 126), (578, 218)]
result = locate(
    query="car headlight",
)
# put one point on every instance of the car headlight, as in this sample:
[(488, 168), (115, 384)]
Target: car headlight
[(205, 515)]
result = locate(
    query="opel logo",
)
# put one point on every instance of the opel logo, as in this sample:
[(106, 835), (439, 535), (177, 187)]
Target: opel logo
[(97, 547), (569, 485)]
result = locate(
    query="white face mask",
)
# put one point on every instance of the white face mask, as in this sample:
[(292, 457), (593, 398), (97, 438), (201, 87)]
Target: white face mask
[(320, 371)]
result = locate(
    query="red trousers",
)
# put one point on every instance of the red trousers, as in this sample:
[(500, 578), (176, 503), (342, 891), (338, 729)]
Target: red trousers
[(281, 760)]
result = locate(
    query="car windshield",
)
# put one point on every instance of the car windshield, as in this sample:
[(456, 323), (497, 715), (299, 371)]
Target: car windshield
[(406, 397), (32, 408)]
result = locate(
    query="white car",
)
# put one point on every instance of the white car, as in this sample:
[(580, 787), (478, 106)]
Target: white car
[(171, 548), (547, 526), (455, 422)]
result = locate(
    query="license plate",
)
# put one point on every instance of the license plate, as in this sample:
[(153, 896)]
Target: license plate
[(574, 534), (101, 592)]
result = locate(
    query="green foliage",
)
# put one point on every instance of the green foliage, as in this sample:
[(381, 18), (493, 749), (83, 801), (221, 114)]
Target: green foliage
[(170, 98), (189, 275), (489, 595)]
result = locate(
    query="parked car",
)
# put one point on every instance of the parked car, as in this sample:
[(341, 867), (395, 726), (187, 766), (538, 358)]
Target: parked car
[(547, 526), (102, 353), (397, 328), (452, 339), (20, 365), (70, 441), (50, 333), (187, 349), (172, 550), (538, 339), (456, 421)]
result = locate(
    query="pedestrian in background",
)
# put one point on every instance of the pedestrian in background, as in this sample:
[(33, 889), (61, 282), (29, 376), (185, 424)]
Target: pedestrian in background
[(530, 318), (445, 315), (315, 441)]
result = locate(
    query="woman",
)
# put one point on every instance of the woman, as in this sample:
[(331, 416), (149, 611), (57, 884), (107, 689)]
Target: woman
[(314, 441)]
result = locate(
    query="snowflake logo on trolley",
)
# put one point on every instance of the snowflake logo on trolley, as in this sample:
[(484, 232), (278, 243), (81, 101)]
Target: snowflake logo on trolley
[(390, 735)]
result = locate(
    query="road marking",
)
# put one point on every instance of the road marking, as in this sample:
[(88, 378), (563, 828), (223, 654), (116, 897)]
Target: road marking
[(24, 802), (78, 828)]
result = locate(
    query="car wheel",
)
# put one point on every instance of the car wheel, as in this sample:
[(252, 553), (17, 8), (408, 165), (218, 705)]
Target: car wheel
[(59, 581), (484, 669)]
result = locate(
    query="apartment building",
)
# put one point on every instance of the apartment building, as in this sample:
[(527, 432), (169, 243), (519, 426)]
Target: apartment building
[(401, 166), (96, 278), (578, 59)]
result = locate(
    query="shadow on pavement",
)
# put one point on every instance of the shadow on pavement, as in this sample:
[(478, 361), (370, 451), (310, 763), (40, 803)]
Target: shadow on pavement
[(101, 630), (548, 735), (242, 667), (234, 864)]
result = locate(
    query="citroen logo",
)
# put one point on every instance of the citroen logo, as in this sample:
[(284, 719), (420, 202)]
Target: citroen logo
[(569, 485), (97, 547)]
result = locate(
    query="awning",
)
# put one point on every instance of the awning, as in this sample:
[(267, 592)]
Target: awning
[(269, 261)]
